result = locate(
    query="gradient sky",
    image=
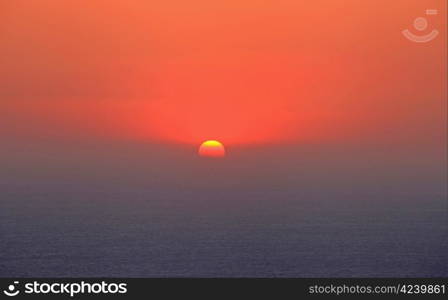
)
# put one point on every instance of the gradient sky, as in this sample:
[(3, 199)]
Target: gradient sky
[(243, 72), (320, 93)]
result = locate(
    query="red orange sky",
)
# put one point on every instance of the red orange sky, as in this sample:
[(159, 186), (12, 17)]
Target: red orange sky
[(241, 72)]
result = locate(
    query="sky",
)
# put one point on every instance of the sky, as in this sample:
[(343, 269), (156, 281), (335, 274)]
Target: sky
[(242, 72), (289, 87)]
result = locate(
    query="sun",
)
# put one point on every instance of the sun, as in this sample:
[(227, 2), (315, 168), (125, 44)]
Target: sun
[(212, 148)]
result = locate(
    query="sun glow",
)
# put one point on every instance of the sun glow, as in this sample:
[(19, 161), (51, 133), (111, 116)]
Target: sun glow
[(212, 148)]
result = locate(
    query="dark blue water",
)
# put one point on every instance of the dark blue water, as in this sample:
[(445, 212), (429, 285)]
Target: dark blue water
[(118, 231)]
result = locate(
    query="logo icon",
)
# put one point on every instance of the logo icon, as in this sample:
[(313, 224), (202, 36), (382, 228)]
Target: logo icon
[(11, 290), (421, 24)]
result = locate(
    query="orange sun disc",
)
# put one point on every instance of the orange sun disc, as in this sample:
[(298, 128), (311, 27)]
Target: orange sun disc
[(212, 148)]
